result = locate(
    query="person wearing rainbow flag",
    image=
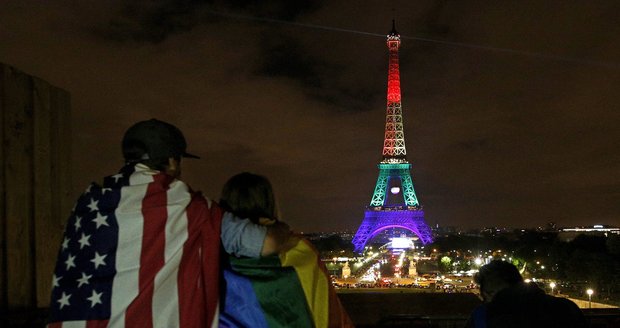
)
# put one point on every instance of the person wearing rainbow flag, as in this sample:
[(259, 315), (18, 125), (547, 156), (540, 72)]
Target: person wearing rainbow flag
[(291, 289)]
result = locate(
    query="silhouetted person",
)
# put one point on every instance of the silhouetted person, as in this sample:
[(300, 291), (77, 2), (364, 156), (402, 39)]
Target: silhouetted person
[(510, 302)]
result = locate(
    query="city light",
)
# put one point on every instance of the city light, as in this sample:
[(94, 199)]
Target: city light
[(394, 263), (401, 243)]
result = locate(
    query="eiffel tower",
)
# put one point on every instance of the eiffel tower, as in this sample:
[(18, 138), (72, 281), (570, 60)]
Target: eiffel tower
[(394, 203)]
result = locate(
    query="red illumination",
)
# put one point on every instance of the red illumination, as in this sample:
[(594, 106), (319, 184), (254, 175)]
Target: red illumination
[(394, 142), (393, 92)]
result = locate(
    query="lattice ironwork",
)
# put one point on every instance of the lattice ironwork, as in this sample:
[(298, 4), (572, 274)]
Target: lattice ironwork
[(394, 170)]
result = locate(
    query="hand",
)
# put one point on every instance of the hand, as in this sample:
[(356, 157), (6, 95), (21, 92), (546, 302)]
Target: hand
[(277, 238), (266, 221)]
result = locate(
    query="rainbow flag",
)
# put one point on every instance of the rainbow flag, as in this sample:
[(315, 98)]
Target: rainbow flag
[(289, 290)]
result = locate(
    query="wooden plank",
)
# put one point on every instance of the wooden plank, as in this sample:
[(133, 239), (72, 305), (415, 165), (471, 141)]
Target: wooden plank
[(44, 225), (18, 183), (63, 198), (62, 188), (3, 298), (60, 144)]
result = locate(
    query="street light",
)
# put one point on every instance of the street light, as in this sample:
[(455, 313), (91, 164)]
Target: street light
[(552, 285), (590, 292)]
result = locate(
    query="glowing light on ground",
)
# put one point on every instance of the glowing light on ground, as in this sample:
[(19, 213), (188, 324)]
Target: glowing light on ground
[(401, 243)]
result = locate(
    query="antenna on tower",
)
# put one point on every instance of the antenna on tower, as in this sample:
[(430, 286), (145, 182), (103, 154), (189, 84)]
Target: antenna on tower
[(393, 19), (393, 31)]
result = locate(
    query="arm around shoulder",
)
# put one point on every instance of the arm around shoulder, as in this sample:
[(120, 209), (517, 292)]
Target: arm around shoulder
[(279, 238)]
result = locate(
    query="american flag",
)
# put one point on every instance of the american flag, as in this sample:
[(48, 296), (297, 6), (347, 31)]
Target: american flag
[(141, 250)]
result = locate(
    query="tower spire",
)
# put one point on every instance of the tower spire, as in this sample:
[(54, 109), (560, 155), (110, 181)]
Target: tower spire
[(394, 150)]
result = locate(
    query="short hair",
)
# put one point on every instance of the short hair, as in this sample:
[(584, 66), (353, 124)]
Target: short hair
[(249, 195), (496, 273)]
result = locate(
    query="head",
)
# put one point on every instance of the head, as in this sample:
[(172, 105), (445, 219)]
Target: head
[(156, 144), (495, 276), (250, 196)]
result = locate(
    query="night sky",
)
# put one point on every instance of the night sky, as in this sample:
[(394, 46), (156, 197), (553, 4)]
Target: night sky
[(511, 108)]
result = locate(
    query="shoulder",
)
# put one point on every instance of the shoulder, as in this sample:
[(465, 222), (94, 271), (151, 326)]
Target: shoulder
[(565, 311), (564, 304), (561, 302)]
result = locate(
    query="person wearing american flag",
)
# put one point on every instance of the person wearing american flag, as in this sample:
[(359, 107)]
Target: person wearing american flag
[(143, 250)]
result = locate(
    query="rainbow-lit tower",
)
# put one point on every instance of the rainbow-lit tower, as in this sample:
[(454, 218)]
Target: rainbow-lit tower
[(394, 203)]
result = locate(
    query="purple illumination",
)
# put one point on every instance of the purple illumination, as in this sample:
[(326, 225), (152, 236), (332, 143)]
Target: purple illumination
[(376, 232), (377, 220)]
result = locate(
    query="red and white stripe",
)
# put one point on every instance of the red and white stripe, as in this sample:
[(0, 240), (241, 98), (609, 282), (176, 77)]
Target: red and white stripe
[(160, 260)]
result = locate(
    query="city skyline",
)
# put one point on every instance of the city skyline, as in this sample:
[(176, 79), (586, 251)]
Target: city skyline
[(510, 110)]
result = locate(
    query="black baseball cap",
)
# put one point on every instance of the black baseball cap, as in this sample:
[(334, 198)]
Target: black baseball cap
[(154, 139)]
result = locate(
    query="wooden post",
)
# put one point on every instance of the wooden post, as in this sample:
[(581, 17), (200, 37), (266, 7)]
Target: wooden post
[(18, 173), (3, 293), (35, 184), (43, 224), (61, 157), (62, 196)]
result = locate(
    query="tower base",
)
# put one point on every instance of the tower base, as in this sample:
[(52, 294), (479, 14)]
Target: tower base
[(377, 220)]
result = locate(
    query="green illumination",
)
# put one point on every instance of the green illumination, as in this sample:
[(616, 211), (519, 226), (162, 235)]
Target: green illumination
[(410, 197), (394, 166), (378, 197), (391, 171)]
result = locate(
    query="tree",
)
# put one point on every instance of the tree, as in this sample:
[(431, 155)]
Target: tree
[(444, 264)]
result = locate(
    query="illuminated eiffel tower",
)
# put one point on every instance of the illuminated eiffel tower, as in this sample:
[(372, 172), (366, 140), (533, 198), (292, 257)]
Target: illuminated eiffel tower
[(394, 203)]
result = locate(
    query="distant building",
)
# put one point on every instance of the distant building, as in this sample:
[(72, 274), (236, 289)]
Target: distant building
[(346, 271), (567, 234), (442, 231), (344, 235)]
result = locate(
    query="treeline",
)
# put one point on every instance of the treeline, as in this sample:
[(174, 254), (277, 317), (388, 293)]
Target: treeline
[(332, 246)]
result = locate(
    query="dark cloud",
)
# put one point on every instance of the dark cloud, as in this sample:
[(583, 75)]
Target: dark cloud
[(479, 144), (276, 9), (346, 99), (283, 56), (152, 21), (155, 20), (435, 22)]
